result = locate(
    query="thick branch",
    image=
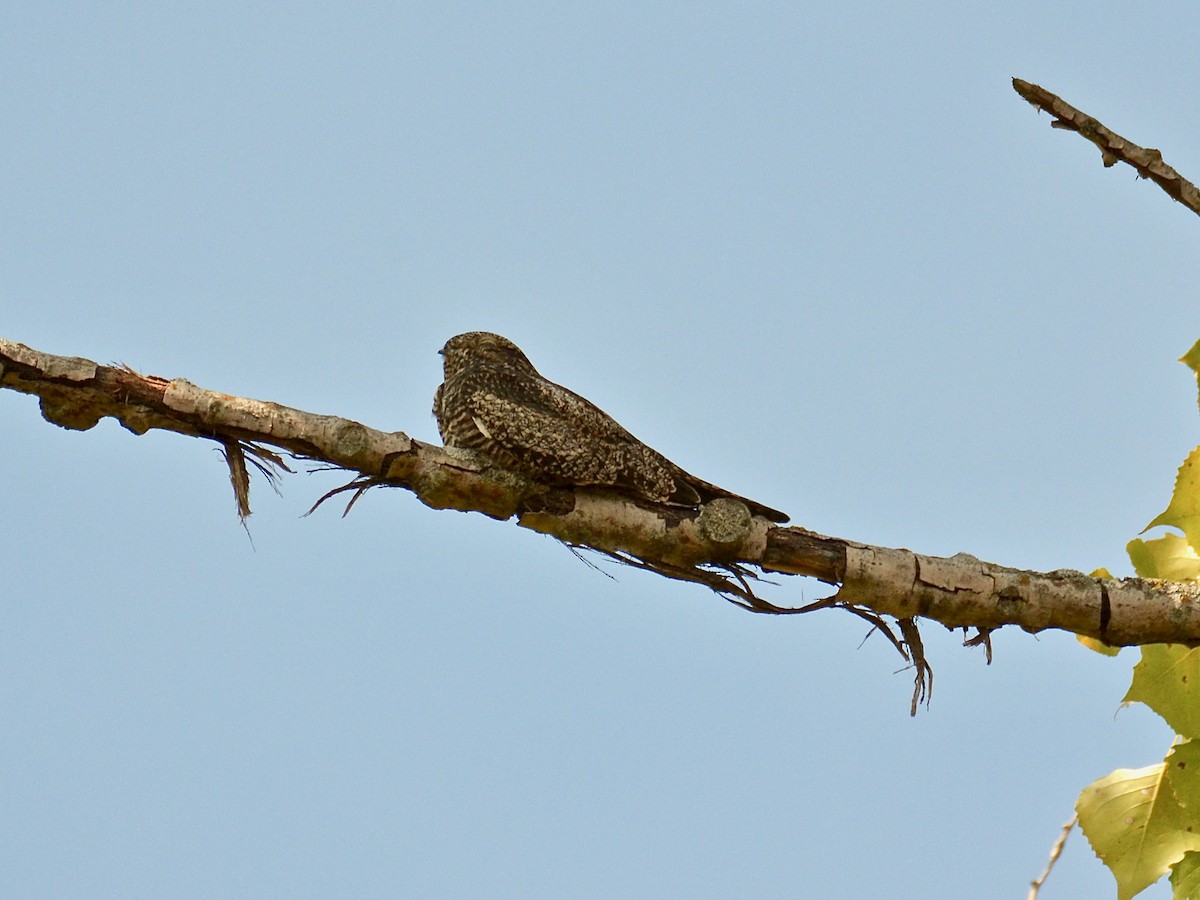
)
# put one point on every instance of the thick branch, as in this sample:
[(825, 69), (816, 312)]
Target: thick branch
[(959, 591), (1113, 148)]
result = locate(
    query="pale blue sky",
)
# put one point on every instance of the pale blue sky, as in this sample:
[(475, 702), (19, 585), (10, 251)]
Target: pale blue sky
[(820, 254)]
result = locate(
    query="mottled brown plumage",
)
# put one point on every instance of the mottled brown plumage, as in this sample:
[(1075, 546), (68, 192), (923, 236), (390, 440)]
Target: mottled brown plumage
[(494, 401)]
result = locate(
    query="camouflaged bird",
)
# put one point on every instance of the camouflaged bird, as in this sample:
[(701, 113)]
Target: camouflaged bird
[(495, 402)]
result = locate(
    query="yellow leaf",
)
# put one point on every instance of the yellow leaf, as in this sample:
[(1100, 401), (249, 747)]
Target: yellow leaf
[(1185, 877), (1183, 512), (1098, 645), (1135, 826), (1168, 681), (1183, 774), (1191, 359), (1169, 557)]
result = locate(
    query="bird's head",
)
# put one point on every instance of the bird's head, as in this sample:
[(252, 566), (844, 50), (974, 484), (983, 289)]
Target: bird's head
[(475, 346)]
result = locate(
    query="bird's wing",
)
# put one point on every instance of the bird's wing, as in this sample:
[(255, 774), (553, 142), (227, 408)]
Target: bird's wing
[(557, 434), (566, 438)]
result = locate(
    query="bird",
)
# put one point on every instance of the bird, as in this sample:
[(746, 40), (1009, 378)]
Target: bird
[(493, 401)]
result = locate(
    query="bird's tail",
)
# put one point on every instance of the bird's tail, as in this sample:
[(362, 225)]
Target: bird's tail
[(708, 491)]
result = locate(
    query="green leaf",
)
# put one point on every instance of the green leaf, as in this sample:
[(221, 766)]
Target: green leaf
[(1183, 512), (1168, 681), (1183, 773), (1135, 826), (1169, 557)]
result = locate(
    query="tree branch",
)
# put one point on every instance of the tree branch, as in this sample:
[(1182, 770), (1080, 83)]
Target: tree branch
[(1113, 148), (716, 546)]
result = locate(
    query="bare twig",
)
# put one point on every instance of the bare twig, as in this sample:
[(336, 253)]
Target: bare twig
[(1055, 853), (1113, 148)]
